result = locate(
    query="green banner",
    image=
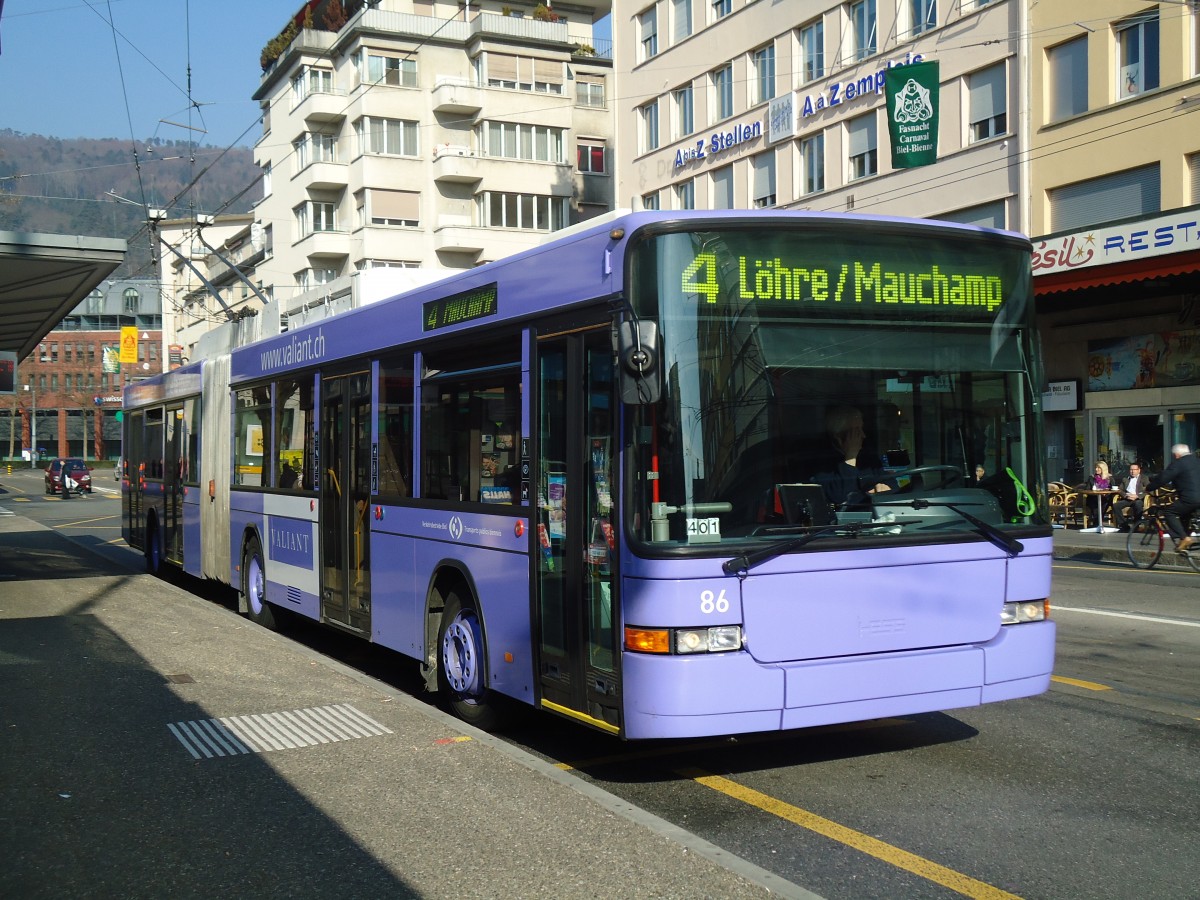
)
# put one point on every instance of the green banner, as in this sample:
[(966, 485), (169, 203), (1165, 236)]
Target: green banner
[(912, 108)]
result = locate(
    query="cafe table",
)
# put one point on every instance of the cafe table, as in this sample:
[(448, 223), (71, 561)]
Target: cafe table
[(1100, 528)]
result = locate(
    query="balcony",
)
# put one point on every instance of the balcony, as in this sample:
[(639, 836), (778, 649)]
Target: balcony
[(458, 96), (322, 106), (458, 235), (324, 176), (324, 244), (452, 163)]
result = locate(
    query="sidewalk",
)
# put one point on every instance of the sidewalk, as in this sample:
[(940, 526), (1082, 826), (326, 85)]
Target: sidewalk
[(117, 779), (1070, 543)]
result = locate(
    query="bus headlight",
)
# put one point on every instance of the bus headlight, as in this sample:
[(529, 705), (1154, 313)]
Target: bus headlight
[(708, 640), (717, 639), (1025, 611)]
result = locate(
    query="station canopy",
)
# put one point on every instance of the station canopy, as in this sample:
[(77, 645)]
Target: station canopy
[(45, 276)]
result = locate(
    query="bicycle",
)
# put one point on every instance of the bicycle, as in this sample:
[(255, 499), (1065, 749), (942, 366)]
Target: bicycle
[(1148, 538)]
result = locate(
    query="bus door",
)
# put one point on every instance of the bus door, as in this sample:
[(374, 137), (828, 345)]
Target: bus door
[(173, 486), (345, 460), (134, 478), (576, 602)]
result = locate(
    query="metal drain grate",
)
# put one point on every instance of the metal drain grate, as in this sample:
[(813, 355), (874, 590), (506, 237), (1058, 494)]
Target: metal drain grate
[(238, 735)]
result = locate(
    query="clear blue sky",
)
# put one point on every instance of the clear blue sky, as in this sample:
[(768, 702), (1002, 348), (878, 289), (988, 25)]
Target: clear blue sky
[(62, 75)]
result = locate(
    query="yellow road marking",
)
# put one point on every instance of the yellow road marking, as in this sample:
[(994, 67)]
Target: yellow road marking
[(902, 859), (86, 521), (1086, 685)]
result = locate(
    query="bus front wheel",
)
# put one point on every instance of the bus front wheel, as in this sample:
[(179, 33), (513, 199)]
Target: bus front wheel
[(254, 586), (462, 664)]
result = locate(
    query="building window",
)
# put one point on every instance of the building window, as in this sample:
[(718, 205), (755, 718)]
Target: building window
[(862, 23), (393, 137), (862, 143), (681, 20), (648, 121), (523, 73), (989, 215), (314, 147), (684, 117), (589, 91), (385, 207), (590, 158), (722, 82), (648, 28), (812, 164), (536, 212), (1068, 79), (1137, 49), (130, 301), (924, 16), (1193, 164), (685, 195), (650, 201), (988, 103), (720, 9), (313, 215), (812, 51), (764, 73), (530, 142), (764, 180), (1134, 192), (722, 188), (266, 179), (377, 68), (311, 80)]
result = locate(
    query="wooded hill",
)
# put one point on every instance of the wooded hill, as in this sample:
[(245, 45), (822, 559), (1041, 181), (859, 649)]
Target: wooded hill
[(61, 186)]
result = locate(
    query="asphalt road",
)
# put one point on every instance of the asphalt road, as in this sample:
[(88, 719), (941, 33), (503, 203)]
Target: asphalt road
[(1089, 791)]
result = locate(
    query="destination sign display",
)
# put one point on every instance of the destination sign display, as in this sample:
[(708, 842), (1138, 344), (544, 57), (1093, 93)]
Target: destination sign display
[(835, 270), (476, 303)]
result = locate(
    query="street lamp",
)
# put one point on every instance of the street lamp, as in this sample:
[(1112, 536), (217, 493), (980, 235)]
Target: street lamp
[(32, 425)]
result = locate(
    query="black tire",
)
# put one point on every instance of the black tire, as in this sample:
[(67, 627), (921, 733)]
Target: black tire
[(1144, 544), (462, 664), (254, 586), (1192, 556)]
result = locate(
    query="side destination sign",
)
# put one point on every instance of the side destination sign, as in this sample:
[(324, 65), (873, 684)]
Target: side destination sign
[(462, 307)]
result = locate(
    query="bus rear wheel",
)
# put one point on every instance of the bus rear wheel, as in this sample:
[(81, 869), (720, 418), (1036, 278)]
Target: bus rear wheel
[(462, 664), (254, 586)]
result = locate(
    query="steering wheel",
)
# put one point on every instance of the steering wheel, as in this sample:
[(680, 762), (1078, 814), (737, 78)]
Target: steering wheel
[(950, 474)]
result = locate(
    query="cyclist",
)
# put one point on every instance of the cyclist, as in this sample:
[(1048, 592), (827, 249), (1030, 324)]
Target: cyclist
[(1184, 474)]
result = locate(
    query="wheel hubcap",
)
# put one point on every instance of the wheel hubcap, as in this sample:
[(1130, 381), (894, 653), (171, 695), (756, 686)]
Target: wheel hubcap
[(254, 585), (461, 655)]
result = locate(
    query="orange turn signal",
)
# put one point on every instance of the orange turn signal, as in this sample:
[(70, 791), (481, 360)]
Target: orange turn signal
[(647, 640)]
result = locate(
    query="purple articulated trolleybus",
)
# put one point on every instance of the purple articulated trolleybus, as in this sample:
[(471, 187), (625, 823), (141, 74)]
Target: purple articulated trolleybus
[(669, 475)]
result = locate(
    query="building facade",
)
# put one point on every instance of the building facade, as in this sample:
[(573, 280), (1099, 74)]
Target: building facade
[(427, 134), (751, 103), (69, 390), (1115, 199)]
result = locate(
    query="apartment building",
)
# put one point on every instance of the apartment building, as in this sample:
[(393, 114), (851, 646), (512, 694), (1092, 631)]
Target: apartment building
[(425, 134), (755, 103), (70, 390), (1115, 200)]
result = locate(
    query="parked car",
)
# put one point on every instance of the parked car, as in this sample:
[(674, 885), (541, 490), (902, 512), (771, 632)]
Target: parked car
[(117, 469), (80, 473)]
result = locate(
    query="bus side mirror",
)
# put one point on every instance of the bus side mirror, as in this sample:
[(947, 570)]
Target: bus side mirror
[(638, 362)]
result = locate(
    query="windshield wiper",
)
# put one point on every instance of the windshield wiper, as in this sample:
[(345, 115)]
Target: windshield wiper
[(1009, 545), (744, 562)]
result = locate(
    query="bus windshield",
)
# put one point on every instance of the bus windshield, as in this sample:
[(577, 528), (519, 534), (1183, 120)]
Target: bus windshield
[(829, 380)]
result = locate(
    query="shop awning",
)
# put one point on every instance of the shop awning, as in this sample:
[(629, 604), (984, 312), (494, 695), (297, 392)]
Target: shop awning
[(1117, 273)]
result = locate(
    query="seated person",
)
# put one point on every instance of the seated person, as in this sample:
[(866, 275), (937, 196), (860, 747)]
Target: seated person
[(844, 477), (1101, 480), (1128, 506)]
